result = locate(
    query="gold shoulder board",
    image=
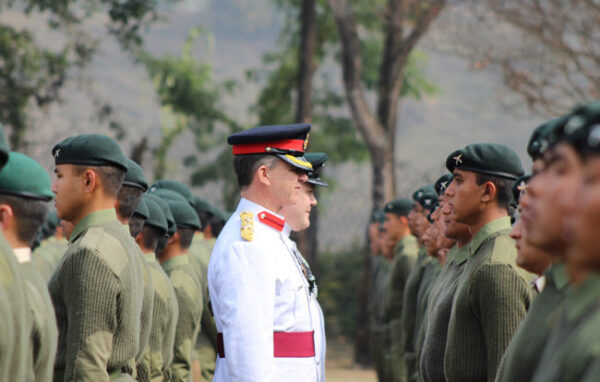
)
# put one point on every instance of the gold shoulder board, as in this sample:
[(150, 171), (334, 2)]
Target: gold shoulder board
[(247, 225)]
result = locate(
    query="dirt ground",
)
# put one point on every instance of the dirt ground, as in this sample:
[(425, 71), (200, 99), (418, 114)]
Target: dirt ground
[(340, 366)]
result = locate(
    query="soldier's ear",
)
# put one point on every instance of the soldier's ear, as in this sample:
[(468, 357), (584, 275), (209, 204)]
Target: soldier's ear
[(90, 180), (6, 215)]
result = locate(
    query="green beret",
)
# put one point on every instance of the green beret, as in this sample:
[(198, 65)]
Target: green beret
[(582, 130), (167, 194), (142, 209), (176, 186), (426, 196), (317, 160), (442, 183), (492, 159), (539, 143), (171, 226), (4, 148), (157, 217), (400, 206), (418, 194), (184, 215), (519, 187), (429, 217), (24, 177), (134, 177), (90, 150), (378, 216)]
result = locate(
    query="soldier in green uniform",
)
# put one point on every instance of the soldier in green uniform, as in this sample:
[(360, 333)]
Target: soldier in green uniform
[(128, 199), (96, 287), (493, 294), (431, 360), (424, 199), (51, 248), (24, 193), (397, 233), (159, 354), (175, 261)]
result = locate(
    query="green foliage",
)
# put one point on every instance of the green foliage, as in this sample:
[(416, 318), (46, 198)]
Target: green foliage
[(339, 274)]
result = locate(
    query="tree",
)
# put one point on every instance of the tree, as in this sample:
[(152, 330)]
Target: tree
[(34, 75), (547, 52), (404, 23)]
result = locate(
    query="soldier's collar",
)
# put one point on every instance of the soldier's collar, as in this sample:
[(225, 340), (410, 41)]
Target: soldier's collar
[(95, 218), (487, 230)]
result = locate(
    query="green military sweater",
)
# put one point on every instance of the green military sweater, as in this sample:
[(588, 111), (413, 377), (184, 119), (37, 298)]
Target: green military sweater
[(44, 336), (430, 275), (491, 299), (190, 300), (15, 340), (46, 256), (97, 297), (159, 353), (525, 348), (431, 360), (409, 304), (379, 327), (572, 351)]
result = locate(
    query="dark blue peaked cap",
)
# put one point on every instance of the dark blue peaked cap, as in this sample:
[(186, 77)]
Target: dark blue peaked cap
[(288, 142)]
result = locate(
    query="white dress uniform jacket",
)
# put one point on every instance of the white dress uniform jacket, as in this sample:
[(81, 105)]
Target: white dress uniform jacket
[(257, 288)]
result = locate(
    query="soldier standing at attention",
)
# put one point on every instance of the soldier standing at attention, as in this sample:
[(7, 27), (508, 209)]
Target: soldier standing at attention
[(175, 261), (493, 294), (267, 330), (406, 250), (96, 287), (159, 354), (24, 193), (51, 249)]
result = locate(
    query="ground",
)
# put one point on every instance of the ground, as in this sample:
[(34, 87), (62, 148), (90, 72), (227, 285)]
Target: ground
[(340, 366)]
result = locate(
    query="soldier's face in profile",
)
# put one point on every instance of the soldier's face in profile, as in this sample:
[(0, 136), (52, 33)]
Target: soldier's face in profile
[(585, 251), (392, 226), (412, 219), (297, 214), (551, 197), (464, 197), (286, 182), (68, 187), (452, 229), (529, 257), (430, 240)]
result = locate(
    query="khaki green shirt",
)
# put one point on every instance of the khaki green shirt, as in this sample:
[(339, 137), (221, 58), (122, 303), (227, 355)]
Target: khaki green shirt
[(97, 297), (47, 255), (572, 352), (409, 302), (189, 297), (491, 299)]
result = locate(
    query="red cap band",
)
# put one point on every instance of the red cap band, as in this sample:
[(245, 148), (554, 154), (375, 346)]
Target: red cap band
[(259, 148)]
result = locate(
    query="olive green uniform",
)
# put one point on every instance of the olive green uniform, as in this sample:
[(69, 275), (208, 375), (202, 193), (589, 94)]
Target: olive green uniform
[(44, 336), (491, 299), (379, 328), (205, 349), (409, 303), (96, 295), (15, 342), (405, 256), (525, 349), (48, 254), (159, 354), (431, 362), (188, 291), (572, 351)]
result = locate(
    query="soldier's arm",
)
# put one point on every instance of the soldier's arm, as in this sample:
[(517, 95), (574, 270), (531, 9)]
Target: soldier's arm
[(189, 298), (91, 291), (501, 299)]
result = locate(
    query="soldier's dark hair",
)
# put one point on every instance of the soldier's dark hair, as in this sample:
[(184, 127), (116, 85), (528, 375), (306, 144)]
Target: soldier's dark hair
[(185, 237), (503, 188), (136, 223), (128, 199), (151, 236), (30, 214), (162, 244), (216, 226), (246, 165), (205, 217), (112, 177)]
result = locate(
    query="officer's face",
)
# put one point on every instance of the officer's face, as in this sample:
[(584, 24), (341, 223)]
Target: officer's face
[(286, 182), (529, 257), (297, 214), (550, 198), (68, 187), (393, 226), (585, 252), (464, 197)]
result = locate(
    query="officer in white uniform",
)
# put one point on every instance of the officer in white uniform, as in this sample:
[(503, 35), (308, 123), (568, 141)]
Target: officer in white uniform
[(270, 327)]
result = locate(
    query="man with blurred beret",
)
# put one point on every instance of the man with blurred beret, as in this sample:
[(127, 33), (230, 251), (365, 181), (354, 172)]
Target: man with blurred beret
[(128, 199), (571, 352), (493, 294), (538, 142), (159, 353), (96, 288), (24, 194), (406, 249), (175, 261), (267, 329), (51, 248)]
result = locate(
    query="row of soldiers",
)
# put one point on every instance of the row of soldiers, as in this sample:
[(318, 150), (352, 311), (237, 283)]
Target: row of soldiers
[(116, 286), (490, 274)]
